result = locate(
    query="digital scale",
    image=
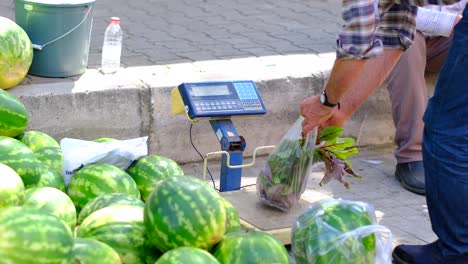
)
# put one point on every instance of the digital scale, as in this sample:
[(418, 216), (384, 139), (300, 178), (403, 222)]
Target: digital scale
[(220, 102)]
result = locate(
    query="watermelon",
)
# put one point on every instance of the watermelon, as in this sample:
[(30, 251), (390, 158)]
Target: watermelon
[(11, 187), (184, 211), (36, 140), (29, 236), (323, 223), (53, 201), (19, 157), (50, 156), (251, 247), (16, 53), (13, 114), (99, 178), (107, 200), (122, 228), (88, 251), (187, 255), (232, 217), (149, 170)]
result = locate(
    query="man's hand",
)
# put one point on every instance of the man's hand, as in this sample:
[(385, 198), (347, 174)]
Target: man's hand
[(314, 113)]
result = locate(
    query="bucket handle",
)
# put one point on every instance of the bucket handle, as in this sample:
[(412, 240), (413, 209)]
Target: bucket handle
[(40, 47)]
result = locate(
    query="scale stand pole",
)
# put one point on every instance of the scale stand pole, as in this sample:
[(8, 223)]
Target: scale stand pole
[(230, 178)]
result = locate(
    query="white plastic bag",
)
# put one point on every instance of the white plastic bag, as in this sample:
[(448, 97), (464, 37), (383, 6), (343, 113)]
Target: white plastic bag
[(120, 153)]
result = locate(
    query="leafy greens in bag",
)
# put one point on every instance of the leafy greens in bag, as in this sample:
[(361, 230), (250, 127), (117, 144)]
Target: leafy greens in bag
[(283, 180)]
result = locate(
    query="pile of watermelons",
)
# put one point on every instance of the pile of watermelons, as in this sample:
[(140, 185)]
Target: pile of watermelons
[(150, 213)]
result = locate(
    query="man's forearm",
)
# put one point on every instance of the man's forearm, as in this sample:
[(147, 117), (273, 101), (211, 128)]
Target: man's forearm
[(351, 82)]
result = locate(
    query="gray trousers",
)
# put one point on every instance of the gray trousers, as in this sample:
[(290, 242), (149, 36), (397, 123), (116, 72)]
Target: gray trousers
[(409, 95)]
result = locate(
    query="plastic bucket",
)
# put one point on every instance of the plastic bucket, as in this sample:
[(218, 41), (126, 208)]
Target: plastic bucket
[(60, 31)]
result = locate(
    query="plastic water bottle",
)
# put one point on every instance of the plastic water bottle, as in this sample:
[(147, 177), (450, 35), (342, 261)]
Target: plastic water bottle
[(112, 47)]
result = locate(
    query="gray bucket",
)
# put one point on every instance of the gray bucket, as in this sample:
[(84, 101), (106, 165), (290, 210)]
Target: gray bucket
[(60, 31)]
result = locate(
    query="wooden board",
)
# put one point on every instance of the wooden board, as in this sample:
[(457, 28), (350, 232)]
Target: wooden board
[(257, 216)]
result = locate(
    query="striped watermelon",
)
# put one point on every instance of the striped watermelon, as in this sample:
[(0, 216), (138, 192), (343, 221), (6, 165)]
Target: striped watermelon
[(99, 178), (251, 247), (13, 114), (35, 140), (149, 170), (88, 251), (11, 187), (122, 228), (187, 255), (19, 157), (29, 236), (184, 211), (50, 156), (16, 53), (322, 224), (53, 201), (232, 217), (106, 200)]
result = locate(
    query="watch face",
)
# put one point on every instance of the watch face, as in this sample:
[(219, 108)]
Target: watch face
[(322, 98)]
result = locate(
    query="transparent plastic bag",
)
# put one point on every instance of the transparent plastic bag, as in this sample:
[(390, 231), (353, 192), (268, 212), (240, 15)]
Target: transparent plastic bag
[(340, 232), (283, 179)]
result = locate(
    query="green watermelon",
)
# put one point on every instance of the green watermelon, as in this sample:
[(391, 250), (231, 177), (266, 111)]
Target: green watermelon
[(106, 200), (187, 255), (149, 170), (322, 224), (232, 217), (88, 251), (11, 187), (50, 156), (104, 140), (16, 53), (53, 201), (251, 247), (185, 211), (13, 114), (19, 157), (122, 228), (97, 179), (36, 140), (29, 236)]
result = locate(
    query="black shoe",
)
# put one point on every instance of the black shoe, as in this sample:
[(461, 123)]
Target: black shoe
[(424, 254), (411, 176)]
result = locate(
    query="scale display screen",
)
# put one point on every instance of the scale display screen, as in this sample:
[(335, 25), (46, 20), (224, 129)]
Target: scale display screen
[(214, 90), (221, 99)]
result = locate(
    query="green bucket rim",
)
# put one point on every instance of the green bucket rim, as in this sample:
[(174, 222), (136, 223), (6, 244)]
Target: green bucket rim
[(60, 3)]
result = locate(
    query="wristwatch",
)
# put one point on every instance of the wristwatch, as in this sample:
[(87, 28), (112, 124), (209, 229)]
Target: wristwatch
[(324, 100)]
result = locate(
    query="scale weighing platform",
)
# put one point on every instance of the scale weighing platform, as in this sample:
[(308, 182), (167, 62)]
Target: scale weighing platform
[(219, 102)]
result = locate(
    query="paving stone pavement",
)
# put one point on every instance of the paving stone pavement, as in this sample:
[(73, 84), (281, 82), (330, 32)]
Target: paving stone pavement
[(173, 31)]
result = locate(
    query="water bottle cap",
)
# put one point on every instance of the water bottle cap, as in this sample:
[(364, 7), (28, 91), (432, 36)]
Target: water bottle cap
[(115, 20)]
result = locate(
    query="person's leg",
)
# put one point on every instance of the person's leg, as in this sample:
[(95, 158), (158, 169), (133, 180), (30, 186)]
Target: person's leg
[(406, 85), (408, 93), (445, 153), (446, 148)]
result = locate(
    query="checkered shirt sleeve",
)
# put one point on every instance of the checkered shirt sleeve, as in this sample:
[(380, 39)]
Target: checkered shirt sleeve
[(365, 35)]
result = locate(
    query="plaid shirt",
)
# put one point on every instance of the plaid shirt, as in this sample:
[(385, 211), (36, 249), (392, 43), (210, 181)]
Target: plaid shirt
[(365, 35)]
